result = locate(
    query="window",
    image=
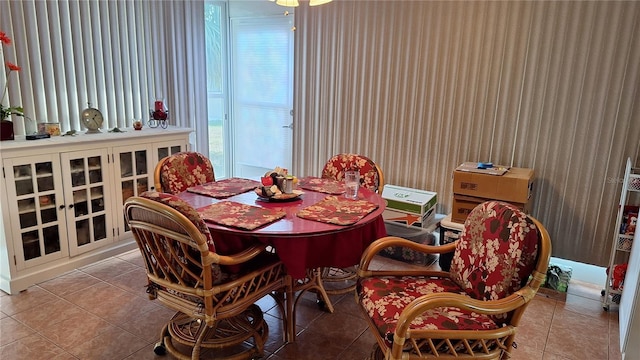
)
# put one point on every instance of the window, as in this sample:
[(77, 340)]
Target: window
[(217, 121)]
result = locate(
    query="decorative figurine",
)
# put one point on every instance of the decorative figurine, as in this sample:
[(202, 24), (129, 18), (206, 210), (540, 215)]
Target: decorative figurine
[(158, 116)]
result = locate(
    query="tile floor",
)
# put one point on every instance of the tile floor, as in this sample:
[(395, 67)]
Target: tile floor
[(101, 312)]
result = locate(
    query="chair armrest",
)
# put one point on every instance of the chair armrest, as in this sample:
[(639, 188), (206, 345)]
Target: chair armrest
[(235, 259), (436, 300), (388, 241)]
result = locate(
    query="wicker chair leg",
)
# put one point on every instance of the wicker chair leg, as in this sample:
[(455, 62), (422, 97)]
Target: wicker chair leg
[(376, 353), (290, 312), (286, 301), (203, 332), (160, 348), (198, 336)]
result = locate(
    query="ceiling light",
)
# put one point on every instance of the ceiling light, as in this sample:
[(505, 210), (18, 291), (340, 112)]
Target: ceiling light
[(289, 3), (318, 2)]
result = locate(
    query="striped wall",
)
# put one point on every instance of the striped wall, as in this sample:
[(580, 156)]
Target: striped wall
[(421, 86)]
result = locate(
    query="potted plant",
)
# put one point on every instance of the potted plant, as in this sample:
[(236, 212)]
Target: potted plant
[(6, 125)]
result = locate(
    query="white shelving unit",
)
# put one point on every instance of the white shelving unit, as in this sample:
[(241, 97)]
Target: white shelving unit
[(61, 198), (623, 239), (629, 315)]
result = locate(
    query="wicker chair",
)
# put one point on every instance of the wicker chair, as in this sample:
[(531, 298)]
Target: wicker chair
[(342, 280), (471, 312), (175, 173), (371, 176), (213, 295)]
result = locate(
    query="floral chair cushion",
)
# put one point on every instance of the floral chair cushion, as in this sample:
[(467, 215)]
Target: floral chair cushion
[(496, 251), (384, 299), (183, 170), (219, 275), (184, 208), (338, 164)]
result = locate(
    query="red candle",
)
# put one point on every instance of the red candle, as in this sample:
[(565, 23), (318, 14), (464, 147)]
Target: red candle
[(159, 105)]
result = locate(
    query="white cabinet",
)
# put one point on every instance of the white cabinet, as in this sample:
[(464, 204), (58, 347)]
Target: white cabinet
[(36, 214), (87, 195), (62, 199), (625, 228)]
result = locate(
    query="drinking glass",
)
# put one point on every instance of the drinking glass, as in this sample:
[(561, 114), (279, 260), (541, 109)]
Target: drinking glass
[(351, 183)]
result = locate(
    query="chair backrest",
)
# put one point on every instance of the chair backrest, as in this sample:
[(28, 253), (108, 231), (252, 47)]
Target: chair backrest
[(497, 251), (180, 171), (371, 176), (174, 241)]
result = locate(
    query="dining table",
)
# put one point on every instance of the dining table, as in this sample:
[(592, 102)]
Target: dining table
[(313, 229)]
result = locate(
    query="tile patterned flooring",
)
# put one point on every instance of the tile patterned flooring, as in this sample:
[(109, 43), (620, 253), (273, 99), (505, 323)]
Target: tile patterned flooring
[(101, 312)]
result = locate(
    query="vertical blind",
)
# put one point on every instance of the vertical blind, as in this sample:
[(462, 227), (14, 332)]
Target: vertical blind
[(422, 86), (120, 56), (418, 86)]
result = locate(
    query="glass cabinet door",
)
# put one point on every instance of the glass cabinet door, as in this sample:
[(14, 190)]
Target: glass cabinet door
[(88, 203), (134, 167), (37, 209), (134, 171), (163, 150)]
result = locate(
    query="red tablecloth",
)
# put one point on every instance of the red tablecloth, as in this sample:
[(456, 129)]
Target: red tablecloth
[(340, 249), (301, 244)]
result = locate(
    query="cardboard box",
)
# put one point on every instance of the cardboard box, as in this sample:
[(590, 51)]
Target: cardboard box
[(408, 206), (516, 185), (552, 294), (462, 206)]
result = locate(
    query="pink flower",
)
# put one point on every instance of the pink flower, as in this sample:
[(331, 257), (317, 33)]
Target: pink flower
[(5, 112), (13, 67), (4, 38)]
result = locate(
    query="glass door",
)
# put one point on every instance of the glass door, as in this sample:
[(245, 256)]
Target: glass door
[(262, 96), (134, 171), (38, 222), (88, 199)]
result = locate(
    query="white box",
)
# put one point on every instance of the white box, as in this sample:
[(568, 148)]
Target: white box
[(408, 206), (449, 232)]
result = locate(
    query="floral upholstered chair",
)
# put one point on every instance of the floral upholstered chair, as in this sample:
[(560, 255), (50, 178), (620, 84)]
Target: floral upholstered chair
[(214, 306), (342, 280), (178, 172), (371, 176), (473, 310)]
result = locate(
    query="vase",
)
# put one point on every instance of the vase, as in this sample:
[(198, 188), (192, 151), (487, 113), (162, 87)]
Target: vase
[(6, 130)]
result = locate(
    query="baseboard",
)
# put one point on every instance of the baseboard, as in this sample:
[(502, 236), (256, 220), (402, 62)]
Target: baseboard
[(29, 277)]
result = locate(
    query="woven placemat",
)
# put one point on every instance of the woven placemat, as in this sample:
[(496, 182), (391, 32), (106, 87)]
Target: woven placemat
[(225, 188), (327, 186), (337, 210), (233, 214)]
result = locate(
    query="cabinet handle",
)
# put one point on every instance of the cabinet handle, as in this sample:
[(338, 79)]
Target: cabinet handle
[(71, 206), (61, 207)]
